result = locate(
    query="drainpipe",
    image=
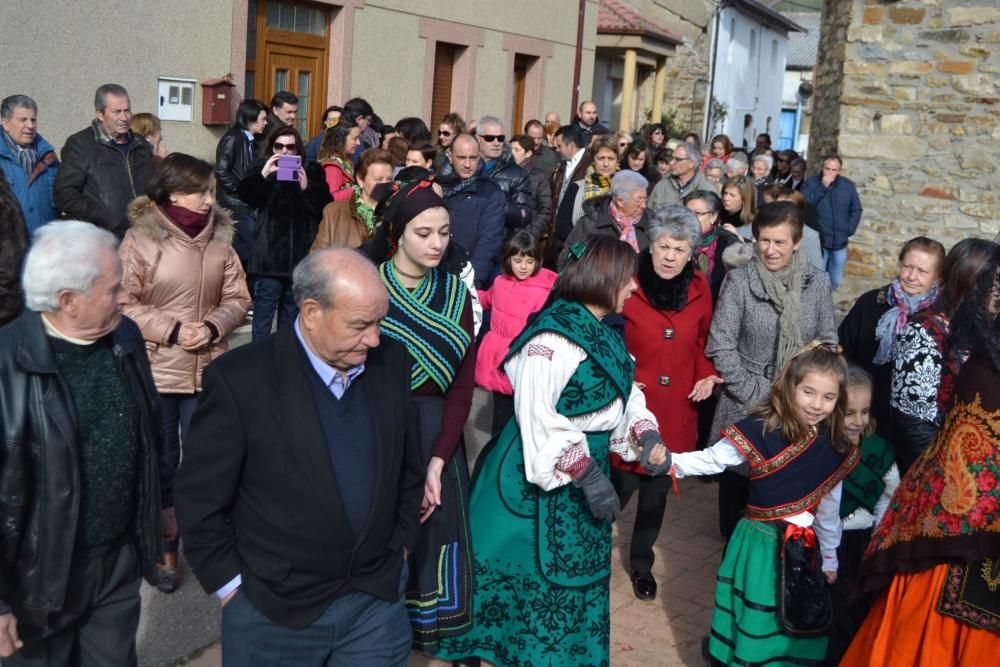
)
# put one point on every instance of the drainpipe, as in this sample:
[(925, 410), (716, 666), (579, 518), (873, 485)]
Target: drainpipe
[(711, 72), (581, 16)]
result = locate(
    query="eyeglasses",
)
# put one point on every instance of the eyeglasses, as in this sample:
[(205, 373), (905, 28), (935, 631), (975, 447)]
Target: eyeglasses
[(278, 146), (701, 214), (444, 133), (494, 138), (679, 159)]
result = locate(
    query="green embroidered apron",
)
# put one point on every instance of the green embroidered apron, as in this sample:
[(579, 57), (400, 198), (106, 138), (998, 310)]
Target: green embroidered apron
[(542, 563)]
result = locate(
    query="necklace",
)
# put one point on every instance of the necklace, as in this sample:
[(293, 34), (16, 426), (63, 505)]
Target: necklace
[(398, 270)]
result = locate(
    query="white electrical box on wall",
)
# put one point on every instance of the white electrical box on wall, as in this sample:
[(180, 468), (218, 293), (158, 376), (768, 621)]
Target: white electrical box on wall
[(175, 98)]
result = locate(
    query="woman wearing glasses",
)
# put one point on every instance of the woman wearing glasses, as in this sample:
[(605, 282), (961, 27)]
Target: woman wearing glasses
[(451, 126), (289, 206), (766, 310)]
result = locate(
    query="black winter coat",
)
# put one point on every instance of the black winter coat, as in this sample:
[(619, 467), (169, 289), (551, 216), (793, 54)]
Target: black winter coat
[(719, 268), (39, 474), (541, 195), (233, 157), (13, 244), (597, 221), (857, 337), (287, 218), (96, 183), (515, 184)]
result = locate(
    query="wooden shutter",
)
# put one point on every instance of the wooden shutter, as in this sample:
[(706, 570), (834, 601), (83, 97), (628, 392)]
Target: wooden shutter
[(444, 64)]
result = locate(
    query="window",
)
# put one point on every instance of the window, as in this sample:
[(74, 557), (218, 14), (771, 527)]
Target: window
[(774, 55), (753, 46), (295, 17), (304, 94)]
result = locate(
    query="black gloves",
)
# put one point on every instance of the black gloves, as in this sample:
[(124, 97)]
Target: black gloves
[(600, 493), (649, 440)]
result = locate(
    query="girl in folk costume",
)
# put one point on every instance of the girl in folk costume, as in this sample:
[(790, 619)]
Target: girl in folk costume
[(542, 503), (866, 494), (771, 601), (521, 290), (934, 556), (429, 311)]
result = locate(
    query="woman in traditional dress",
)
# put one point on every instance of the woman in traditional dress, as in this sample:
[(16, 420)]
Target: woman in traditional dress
[(934, 556), (430, 312), (766, 311), (869, 332), (542, 502), (771, 602)]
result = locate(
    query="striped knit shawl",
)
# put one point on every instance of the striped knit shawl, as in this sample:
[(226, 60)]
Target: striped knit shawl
[(428, 321)]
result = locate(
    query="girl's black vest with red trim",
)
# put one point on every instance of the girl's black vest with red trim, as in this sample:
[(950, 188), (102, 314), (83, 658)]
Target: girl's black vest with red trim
[(788, 478)]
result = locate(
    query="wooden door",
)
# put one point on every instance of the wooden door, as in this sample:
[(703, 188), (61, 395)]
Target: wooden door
[(287, 49), (444, 64), (297, 70), (521, 63)]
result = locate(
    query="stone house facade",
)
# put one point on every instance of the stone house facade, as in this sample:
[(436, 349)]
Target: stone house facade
[(908, 94)]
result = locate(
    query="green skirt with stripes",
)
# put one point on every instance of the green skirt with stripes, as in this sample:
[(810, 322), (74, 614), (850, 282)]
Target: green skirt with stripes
[(745, 626)]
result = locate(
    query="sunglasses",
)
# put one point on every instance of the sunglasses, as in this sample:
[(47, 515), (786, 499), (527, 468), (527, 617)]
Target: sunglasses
[(494, 138), (444, 133), (278, 146)]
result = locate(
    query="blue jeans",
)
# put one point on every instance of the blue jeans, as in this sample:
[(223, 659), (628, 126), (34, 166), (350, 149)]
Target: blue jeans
[(835, 260), (177, 411), (356, 630), (270, 295)]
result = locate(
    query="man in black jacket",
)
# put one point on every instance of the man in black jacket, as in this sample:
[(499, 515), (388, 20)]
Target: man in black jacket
[(502, 169), (105, 166), (299, 494), (79, 487), (284, 111)]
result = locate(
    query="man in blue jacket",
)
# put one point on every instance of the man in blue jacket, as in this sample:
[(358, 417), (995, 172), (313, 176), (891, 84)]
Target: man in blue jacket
[(28, 161), (835, 206), (477, 207)]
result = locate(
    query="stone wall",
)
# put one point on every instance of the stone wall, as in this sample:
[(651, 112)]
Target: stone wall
[(908, 95)]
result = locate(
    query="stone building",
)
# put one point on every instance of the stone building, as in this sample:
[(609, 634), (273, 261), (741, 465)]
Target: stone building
[(907, 93)]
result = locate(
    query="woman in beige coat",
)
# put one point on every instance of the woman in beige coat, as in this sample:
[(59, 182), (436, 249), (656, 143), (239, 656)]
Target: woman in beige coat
[(189, 293)]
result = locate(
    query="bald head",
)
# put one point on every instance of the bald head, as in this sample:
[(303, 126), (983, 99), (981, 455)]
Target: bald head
[(325, 275), (465, 155), (588, 113), (342, 301)]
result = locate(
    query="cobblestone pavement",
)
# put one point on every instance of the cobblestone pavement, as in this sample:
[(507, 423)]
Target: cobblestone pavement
[(665, 632)]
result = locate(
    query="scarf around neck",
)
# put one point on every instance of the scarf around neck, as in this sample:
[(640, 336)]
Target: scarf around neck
[(191, 222), (365, 212), (427, 320), (706, 251), (892, 322), (595, 185), (784, 289), (26, 157), (625, 224), (664, 293)]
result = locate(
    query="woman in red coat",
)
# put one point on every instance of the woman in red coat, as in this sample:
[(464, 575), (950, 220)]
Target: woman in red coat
[(666, 326)]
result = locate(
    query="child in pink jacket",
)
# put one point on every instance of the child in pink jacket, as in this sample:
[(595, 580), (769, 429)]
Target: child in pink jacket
[(521, 290)]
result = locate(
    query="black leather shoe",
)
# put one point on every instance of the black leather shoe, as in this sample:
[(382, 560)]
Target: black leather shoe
[(644, 586)]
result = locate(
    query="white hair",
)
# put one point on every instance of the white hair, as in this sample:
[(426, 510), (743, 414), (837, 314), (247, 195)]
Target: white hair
[(64, 255), (625, 182), (489, 120), (766, 159)]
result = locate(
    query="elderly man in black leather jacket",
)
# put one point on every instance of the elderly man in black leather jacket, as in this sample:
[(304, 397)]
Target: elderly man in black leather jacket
[(79, 480), (502, 169)]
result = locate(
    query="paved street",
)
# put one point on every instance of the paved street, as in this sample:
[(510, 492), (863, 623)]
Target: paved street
[(663, 633)]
